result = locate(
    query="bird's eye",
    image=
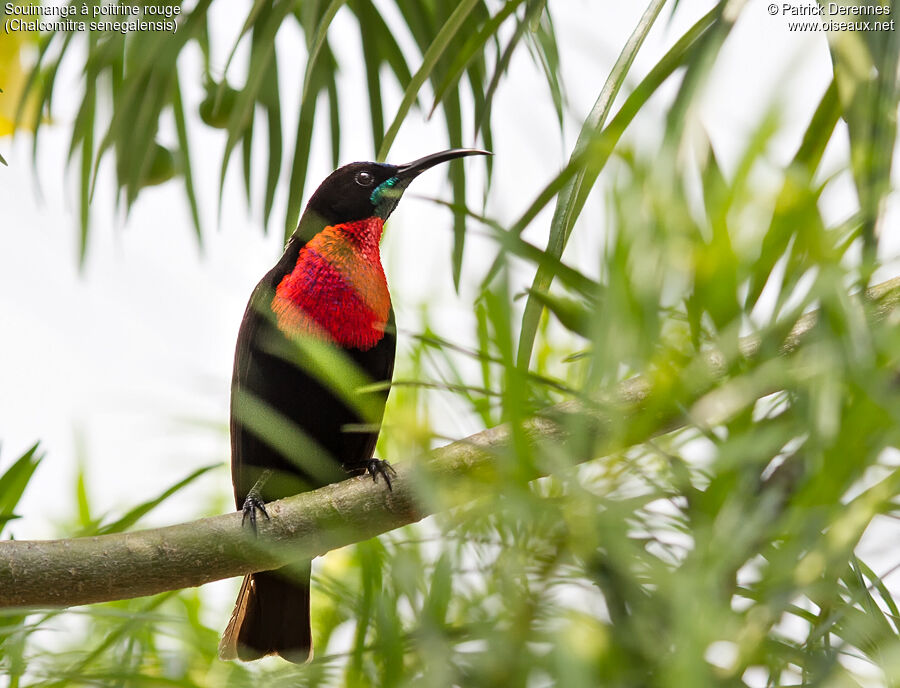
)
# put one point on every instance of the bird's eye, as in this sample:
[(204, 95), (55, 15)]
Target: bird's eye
[(364, 179)]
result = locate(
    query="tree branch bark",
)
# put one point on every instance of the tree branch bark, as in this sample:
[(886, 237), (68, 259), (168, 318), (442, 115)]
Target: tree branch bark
[(124, 565)]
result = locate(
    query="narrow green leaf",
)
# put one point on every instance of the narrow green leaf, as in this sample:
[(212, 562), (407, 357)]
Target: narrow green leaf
[(183, 144), (572, 314), (544, 48), (87, 164), (484, 347), (482, 116), (878, 584), (820, 129), (447, 33), (371, 37), (46, 82), (283, 434), (318, 42), (135, 514), (800, 173), (457, 174), (251, 20), (698, 67), (82, 120), (473, 47), (35, 74), (512, 243), (334, 119), (132, 108), (865, 73), (420, 20), (261, 56), (272, 100), (16, 478), (299, 166), (572, 198), (389, 49), (247, 157), (82, 501), (716, 282), (136, 619), (441, 590)]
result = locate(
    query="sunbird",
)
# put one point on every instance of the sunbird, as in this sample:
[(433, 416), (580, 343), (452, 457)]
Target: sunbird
[(320, 317)]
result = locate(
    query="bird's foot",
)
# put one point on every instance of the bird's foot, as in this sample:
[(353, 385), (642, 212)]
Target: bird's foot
[(254, 502), (376, 467)]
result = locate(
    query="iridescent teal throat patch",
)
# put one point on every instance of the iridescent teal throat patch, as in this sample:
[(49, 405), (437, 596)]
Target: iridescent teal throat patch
[(386, 188)]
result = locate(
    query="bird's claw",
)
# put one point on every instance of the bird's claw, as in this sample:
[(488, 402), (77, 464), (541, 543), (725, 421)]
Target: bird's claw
[(252, 504), (376, 467)]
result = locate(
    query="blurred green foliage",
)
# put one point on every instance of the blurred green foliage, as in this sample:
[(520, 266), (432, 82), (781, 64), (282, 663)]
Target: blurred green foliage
[(725, 553), (138, 72)]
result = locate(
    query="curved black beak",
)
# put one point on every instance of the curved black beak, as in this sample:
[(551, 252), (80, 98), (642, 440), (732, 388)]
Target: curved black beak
[(412, 169)]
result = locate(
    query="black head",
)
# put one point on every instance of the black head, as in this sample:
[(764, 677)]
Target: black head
[(369, 189)]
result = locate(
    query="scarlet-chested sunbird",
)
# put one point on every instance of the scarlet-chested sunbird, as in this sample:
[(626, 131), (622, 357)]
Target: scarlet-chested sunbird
[(295, 427)]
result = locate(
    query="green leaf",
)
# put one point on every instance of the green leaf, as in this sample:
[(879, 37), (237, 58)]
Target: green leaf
[(253, 17), (542, 39), (247, 157), (334, 115), (38, 79), (82, 501), (440, 43), (572, 314), (865, 74), (573, 196), (184, 145), (388, 48), (371, 34), (16, 478), (138, 512), (513, 243), (87, 163), (472, 48), (261, 58), (302, 145), (317, 43), (441, 591), (482, 116), (601, 147), (457, 174), (790, 206)]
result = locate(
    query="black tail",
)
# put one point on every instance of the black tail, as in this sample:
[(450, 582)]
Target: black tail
[(271, 617)]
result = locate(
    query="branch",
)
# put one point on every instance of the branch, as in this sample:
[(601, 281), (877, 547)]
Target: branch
[(124, 565)]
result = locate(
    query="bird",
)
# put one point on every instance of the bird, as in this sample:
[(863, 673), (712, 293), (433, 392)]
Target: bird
[(318, 326)]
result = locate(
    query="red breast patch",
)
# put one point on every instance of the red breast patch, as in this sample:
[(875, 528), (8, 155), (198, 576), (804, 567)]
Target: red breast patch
[(337, 289)]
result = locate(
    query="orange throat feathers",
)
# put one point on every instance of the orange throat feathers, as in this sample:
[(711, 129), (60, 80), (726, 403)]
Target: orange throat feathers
[(337, 290)]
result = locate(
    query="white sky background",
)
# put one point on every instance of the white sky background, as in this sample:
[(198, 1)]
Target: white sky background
[(127, 354)]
